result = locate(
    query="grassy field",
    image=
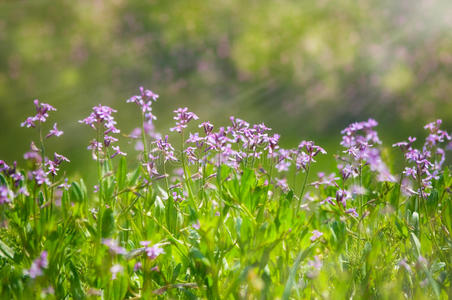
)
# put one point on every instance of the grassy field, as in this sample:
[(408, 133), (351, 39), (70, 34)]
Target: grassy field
[(225, 213)]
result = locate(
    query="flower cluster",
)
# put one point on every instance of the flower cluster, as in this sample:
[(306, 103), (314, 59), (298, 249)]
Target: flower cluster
[(11, 172), (425, 164), (41, 116), (144, 102), (360, 140), (52, 165), (183, 117), (102, 119), (305, 154)]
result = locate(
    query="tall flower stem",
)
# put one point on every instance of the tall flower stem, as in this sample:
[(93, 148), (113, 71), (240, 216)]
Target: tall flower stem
[(184, 167), (99, 178), (41, 141), (303, 186), (143, 139)]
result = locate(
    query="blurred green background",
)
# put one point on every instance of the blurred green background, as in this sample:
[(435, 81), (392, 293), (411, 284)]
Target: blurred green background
[(305, 68)]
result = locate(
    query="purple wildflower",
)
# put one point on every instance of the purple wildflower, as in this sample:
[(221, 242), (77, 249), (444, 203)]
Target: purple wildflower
[(425, 163), (33, 154), (183, 117), (305, 154), (329, 180), (152, 252), (342, 196), (352, 211), (144, 98), (165, 147), (41, 116), (360, 139), (114, 246), (40, 177), (208, 127), (315, 235), (117, 152), (54, 131), (314, 266), (39, 265), (115, 269), (6, 195), (137, 267)]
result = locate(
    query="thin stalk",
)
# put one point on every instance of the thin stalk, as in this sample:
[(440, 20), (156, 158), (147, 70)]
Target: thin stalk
[(143, 139), (41, 141), (99, 178), (304, 185), (186, 172)]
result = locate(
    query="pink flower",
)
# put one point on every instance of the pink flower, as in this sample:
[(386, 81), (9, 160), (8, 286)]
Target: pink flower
[(316, 235), (54, 131)]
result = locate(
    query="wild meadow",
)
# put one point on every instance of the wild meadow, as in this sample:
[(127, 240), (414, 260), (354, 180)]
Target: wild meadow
[(225, 213)]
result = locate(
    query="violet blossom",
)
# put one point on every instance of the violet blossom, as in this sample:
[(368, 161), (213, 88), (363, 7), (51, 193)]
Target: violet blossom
[(114, 247), (152, 252), (41, 116), (183, 117), (38, 265), (6, 195), (54, 131), (315, 235)]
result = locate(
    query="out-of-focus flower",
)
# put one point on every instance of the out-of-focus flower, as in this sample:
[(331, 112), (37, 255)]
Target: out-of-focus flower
[(352, 211), (314, 267), (360, 140), (114, 246), (6, 196), (137, 267), (39, 265), (115, 269), (40, 177), (152, 252), (316, 235)]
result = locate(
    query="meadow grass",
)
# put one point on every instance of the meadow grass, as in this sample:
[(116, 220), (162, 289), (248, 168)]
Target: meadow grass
[(227, 214)]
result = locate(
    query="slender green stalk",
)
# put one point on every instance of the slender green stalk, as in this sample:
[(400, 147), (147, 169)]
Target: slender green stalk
[(303, 187)]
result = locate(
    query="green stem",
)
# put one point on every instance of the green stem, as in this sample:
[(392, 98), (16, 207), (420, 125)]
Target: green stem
[(304, 186), (41, 140), (99, 178), (143, 139)]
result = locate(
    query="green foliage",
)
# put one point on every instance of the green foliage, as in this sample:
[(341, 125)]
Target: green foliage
[(238, 240)]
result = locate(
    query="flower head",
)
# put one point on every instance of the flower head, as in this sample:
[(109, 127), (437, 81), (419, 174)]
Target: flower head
[(183, 117), (316, 235), (39, 265), (54, 131), (153, 251), (41, 116)]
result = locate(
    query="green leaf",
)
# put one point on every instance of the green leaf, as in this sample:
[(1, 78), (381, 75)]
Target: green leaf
[(176, 272), (171, 215), (76, 192), (301, 256), (121, 173), (133, 178), (108, 223), (6, 251), (2, 180), (416, 243)]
